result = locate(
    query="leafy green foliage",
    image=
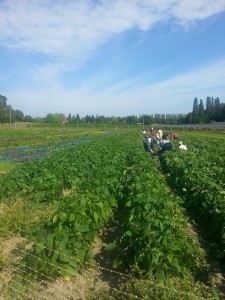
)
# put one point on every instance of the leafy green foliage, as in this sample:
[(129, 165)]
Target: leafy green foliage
[(198, 176), (153, 232), (151, 288), (88, 186), (78, 217)]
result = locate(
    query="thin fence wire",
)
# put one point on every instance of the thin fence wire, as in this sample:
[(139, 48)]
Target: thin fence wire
[(17, 270), (91, 266)]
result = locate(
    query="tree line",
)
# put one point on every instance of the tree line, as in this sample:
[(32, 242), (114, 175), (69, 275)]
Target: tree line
[(214, 111)]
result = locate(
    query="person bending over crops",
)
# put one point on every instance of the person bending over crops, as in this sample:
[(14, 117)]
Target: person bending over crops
[(164, 145), (154, 142), (147, 144)]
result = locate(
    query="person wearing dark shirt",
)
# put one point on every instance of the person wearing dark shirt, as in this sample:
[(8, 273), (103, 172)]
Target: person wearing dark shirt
[(164, 145), (154, 142)]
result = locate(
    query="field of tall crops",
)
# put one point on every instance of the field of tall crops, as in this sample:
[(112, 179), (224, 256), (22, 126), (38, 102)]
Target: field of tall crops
[(98, 218)]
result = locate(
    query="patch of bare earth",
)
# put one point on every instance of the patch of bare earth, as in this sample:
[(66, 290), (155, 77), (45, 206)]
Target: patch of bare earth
[(7, 246), (78, 287)]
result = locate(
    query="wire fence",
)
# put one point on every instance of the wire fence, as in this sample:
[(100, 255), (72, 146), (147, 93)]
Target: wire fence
[(19, 281)]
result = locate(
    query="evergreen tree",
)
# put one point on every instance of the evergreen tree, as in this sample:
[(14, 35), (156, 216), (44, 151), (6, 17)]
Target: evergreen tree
[(201, 109), (222, 112), (208, 112), (4, 113), (69, 118), (217, 108), (188, 118), (195, 111)]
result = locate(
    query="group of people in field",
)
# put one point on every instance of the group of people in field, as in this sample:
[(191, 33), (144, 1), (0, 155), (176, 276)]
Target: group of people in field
[(156, 142)]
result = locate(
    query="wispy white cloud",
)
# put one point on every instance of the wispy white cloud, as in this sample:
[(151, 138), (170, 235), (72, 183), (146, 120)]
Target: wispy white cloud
[(170, 96), (187, 10), (70, 31)]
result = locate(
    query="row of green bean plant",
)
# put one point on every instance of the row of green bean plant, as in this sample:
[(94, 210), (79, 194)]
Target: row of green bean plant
[(198, 175), (82, 184), (45, 179), (153, 231), (86, 187)]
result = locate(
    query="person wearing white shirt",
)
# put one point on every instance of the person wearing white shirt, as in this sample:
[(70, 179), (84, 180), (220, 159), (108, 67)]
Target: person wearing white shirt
[(182, 146)]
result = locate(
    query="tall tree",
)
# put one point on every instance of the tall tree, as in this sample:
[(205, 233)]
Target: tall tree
[(55, 118), (201, 109), (69, 118), (131, 120), (188, 118), (217, 108), (3, 108), (222, 112), (3, 100), (212, 109), (208, 112), (195, 111), (18, 115)]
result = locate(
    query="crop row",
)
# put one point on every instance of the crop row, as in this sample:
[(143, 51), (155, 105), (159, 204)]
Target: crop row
[(198, 175), (81, 183), (153, 229), (88, 186)]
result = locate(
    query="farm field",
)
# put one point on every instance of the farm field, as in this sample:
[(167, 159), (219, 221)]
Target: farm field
[(25, 143), (90, 215)]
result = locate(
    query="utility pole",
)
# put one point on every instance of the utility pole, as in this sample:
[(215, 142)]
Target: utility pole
[(10, 116)]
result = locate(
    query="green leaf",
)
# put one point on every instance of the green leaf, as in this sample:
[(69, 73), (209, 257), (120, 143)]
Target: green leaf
[(131, 218), (77, 245), (89, 255), (54, 257), (55, 219), (62, 245), (170, 257), (95, 217), (114, 203), (128, 204), (63, 216), (50, 241), (68, 271), (64, 258), (110, 247), (128, 232), (81, 255), (34, 229), (160, 274), (176, 265), (60, 227), (38, 249), (100, 204), (88, 236), (147, 206), (83, 228), (72, 217)]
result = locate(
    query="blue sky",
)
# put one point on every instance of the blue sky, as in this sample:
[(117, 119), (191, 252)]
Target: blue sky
[(111, 57)]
